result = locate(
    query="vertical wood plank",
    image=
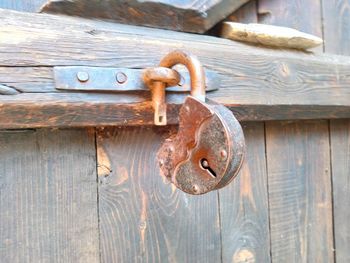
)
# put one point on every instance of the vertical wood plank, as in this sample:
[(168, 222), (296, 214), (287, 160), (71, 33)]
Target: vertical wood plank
[(340, 138), (244, 205), (245, 14), (22, 5), (299, 191), (304, 15), (298, 161), (143, 218), (48, 197), (336, 24)]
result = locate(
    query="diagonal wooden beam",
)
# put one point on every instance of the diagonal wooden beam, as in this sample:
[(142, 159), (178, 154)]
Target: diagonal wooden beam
[(256, 83), (181, 15)]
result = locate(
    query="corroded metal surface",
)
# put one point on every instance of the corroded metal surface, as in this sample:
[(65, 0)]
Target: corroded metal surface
[(207, 152), (193, 66), (168, 76), (157, 80), (109, 79)]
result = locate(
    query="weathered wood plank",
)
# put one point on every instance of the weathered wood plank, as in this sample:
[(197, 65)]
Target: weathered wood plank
[(298, 163), (340, 143), (245, 14), (256, 82), (244, 205), (33, 110), (336, 27), (180, 15), (143, 218), (300, 199), (301, 15), (48, 197)]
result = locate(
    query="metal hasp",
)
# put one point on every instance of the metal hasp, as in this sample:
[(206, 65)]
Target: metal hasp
[(101, 79), (208, 149), (157, 82)]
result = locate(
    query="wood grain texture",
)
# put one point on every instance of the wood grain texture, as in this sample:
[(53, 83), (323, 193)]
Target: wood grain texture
[(245, 14), (180, 15), (22, 5), (298, 163), (7, 90), (244, 205), (32, 110), (301, 15), (340, 138), (143, 218), (300, 198), (48, 191), (256, 82), (336, 23)]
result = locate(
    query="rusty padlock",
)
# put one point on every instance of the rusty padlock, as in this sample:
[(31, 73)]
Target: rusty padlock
[(207, 151)]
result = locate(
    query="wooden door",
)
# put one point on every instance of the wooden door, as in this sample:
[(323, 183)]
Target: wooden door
[(96, 194)]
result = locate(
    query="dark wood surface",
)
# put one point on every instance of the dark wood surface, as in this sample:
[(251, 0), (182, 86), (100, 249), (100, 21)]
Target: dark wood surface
[(48, 196), (180, 15), (300, 197), (142, 217), (336, 24), (304, 16), (245, 14), (298, 161), (301, 15), (244, 205), (257, 83), (340, 138)]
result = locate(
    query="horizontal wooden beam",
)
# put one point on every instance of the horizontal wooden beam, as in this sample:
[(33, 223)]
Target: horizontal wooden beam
[(257, 83)]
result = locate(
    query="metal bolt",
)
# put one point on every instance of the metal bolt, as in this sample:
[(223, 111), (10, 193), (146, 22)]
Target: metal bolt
[(223, 154), (121, 77), (83, 76), (195, 188)]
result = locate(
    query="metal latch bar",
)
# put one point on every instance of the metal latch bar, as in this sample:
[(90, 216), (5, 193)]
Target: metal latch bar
[(81, 78)]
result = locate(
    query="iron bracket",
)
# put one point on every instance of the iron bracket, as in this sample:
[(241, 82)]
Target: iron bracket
[(80, 78)]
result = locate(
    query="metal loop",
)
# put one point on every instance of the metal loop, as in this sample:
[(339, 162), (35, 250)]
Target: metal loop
[(194, 67), (157, 79), (168, 76)]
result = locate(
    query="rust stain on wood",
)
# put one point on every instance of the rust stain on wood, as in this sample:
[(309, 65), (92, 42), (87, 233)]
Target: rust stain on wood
[(246, 185), (143, 220), (103, 163)]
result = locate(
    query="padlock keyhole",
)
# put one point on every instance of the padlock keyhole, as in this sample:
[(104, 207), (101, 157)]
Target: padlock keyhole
[(204, 164)]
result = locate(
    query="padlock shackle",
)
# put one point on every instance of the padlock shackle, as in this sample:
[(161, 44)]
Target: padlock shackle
[(194, 67)]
